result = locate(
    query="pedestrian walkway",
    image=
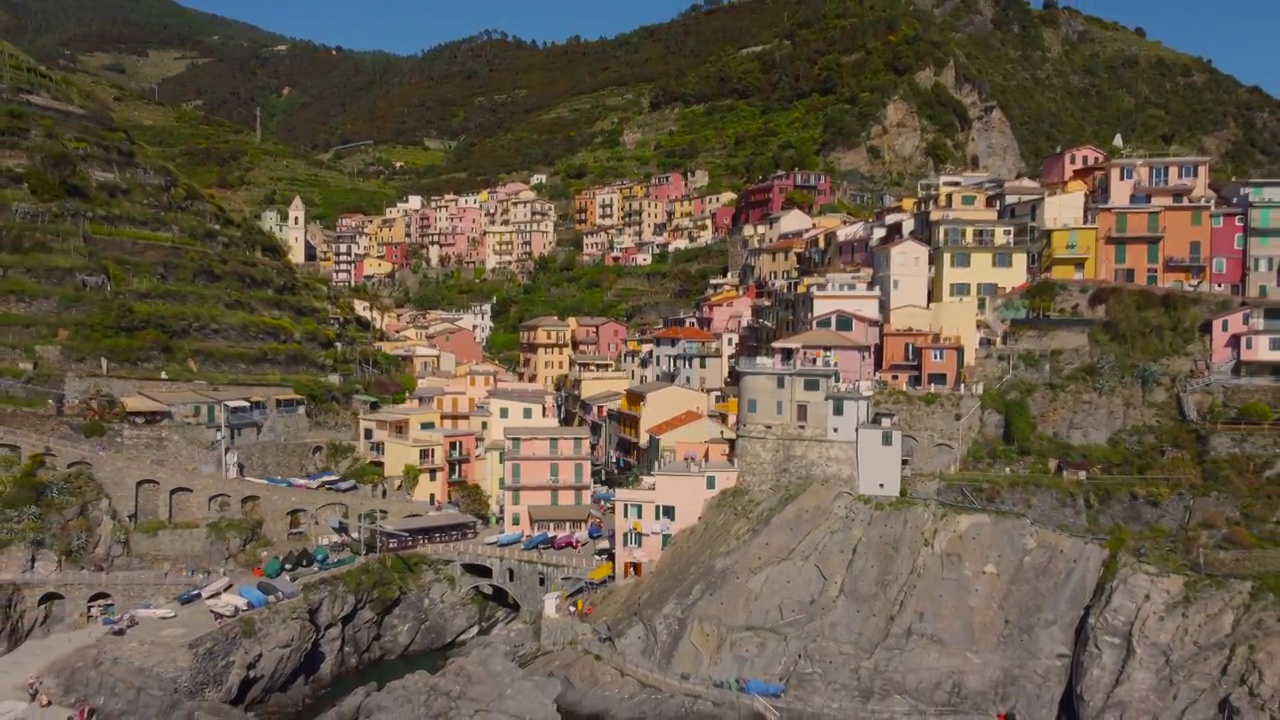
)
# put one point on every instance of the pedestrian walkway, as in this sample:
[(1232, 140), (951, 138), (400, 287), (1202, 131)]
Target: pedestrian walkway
[(31, 658)]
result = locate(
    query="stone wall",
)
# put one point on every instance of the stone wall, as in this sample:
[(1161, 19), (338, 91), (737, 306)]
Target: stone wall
[(1242, 442), (777, 456)]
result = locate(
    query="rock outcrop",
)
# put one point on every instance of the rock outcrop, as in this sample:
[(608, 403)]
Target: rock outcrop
[(854, 607), (1159, 646), (279, 656), (480, 683)]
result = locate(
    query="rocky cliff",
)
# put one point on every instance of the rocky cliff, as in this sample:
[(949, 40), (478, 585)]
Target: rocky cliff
[(910, 608), (279, 656)]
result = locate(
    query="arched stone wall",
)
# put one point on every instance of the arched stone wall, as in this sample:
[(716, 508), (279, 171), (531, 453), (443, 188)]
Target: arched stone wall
[(182, 505), (297, 520), (251, 506), (80, 465), (333, 510), (219, 505), (147, 503)]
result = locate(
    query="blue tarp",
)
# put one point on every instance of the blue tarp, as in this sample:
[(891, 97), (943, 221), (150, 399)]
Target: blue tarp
[(278, 482), (256, 599), (601, 497), (762, 688)]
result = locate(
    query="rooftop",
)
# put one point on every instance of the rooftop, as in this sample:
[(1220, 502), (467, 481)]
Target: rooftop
[(602, 397), (688, 417), (649, 387), (819, 338), (591, 321), (558, 513), (428, 522), (684, 333), (546, 321)]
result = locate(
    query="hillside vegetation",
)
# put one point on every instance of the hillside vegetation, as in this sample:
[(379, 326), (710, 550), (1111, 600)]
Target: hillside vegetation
[(109, 252), (741, 88)]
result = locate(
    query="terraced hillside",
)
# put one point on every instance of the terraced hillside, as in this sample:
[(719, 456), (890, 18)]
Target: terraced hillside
[(881, 87), (108, 252)]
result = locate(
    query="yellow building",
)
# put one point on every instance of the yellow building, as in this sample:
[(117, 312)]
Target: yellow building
[(385, 231), (978, 259), (646, 405), (404, 436), (546, 343), (1071, 252), (958, 203)]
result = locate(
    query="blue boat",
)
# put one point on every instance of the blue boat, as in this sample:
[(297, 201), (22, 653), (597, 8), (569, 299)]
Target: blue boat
[(256, 599), (188, 597), (510, 538), (594, 532), (533, 542)]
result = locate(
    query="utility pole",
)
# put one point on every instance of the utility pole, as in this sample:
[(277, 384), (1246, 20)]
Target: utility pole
[(222, 438), (257, 123)]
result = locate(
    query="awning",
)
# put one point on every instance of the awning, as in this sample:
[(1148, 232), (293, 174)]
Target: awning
[(288, 396), (236, 403), (139, 404)]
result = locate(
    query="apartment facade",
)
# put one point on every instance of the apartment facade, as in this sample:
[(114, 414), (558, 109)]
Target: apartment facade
[(1227, 243), (644, 406), (768, 196), (976, 259), (1070, 253), (900, 271), (546, 468), (1262, 238), (545, 347)]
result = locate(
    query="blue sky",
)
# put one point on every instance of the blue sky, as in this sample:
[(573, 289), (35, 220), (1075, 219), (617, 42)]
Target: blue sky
[(1236, 36)]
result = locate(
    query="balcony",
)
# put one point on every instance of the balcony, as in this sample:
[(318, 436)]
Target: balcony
[(699, 348), (1264, 324), (1194, 261), (1148, 186), (1144, 234), (775, 363), (457, 456), (1069, 253), (456, 479)]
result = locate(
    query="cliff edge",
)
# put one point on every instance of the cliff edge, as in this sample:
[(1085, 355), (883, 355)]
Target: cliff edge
[(907, 607)]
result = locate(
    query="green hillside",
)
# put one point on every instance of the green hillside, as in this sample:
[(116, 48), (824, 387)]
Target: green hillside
[(882, 87), (108, 251)]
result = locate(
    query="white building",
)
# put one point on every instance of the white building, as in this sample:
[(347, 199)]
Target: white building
[(293, 232), (478, 318)]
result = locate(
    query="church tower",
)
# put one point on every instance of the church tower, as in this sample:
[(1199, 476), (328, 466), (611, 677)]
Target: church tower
[(295, 233)]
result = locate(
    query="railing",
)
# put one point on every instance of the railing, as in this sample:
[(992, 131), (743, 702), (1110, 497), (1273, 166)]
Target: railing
[(774, 363), (1264, 325), (1069, 252), (1144, 233), (1193, 261)]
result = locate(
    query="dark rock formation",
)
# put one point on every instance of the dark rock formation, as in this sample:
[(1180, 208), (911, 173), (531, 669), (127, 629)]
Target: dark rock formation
[(278, 656)]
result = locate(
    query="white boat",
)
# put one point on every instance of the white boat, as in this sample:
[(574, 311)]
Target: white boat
[(162, 613), (215, 587), (582, 537), (236, 600), (222, 607), (491, 540)]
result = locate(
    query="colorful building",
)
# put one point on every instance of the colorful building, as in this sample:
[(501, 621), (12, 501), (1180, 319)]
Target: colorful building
[(768, 197), (1062, 167), (920, 359), (545, 346), (644, 406), (1227, 243), (546, 469), (1262, 238), (1070, 253), (979, 259)]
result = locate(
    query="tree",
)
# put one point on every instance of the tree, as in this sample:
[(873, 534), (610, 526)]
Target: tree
[(409, 478), (797, 199), (471, 499), (1255, 411)]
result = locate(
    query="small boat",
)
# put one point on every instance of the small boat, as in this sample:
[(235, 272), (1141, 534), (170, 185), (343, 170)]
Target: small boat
[(256, 599), (548, 543), (188, 597), (340, 562), (510, 538), (273, 567), (344, 486), (162, 613), (492, 540), (290, 561), (321, 553), (564, 541), (236, 600), (535, 541), (594, 532), (305, 558), (221, 607), (582, 537), (215, 587), (271, 591)]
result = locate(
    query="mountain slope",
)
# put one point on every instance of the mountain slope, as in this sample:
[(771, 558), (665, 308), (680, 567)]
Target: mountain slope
[(110, 252), (885, 88)]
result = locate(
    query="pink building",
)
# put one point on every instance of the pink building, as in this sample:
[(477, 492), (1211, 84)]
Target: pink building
[(855, 326), (595, 242), (647, 518), (668, 187), (725, 315), (1154, 181), (1225, 331), (546, 485), (397, 254), (457, 234), (855, 359), (722, 220), (1226, 251), (459, 341), (767, 198), (1066, 165), (599, 336)]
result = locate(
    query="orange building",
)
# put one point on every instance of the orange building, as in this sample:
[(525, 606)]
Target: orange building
[(920, 359)]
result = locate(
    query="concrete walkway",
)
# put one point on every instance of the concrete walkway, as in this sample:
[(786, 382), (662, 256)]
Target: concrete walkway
[(32, 657)]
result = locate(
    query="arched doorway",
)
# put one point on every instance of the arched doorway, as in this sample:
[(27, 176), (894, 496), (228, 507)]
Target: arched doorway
[(297, 520), (51, 607), (79, 465), (146, 502), (182, 505), (100, 604), (251, 506), (220, 504)]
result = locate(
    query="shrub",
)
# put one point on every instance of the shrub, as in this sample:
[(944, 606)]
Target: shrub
[(94, 429), (1255, 411)]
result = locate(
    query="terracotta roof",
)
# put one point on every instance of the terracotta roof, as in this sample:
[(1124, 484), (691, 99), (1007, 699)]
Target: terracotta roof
[(674, 423), (820, 338), (586, 321), (684, 333), (792, 244), (545, 321)]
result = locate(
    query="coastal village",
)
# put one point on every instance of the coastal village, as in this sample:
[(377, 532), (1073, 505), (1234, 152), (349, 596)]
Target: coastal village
[(831, 296)]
